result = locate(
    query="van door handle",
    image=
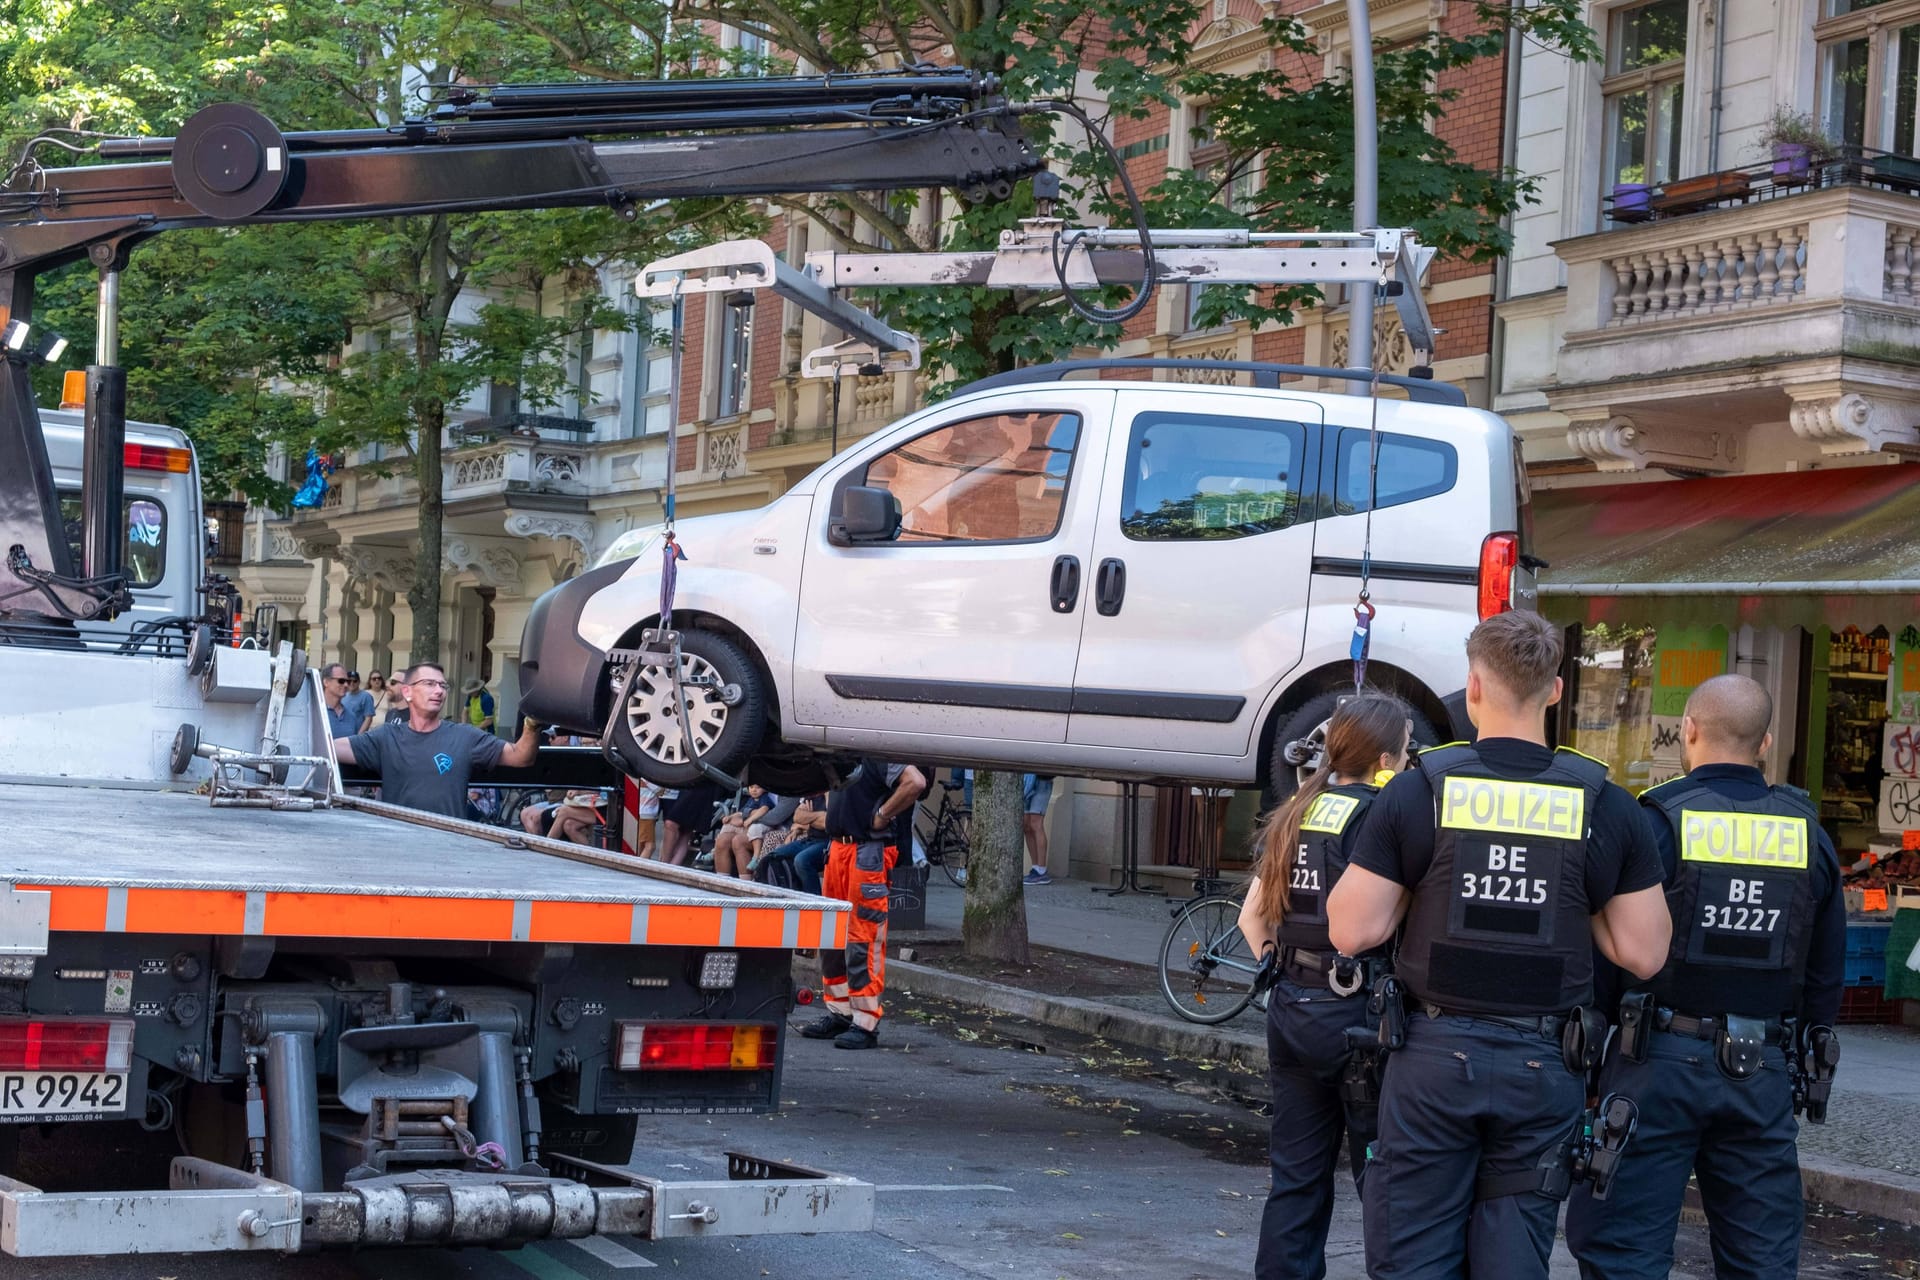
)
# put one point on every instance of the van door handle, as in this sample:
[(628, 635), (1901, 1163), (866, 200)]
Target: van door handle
[(1066, 583), (1110, 586)]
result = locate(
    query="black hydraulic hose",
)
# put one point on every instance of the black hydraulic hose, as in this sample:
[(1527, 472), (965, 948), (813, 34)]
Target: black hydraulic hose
[(1143, 292)]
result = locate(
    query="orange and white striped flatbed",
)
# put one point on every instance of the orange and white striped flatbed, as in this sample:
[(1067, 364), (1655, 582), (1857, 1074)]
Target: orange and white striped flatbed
[(142, 861)]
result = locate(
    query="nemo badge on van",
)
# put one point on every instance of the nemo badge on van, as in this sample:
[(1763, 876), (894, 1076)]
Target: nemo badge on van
[(1514, 808)]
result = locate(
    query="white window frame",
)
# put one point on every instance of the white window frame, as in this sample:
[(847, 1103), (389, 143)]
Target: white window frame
[(643, 394), (1653, 82), (1880, 26), (732, 372)]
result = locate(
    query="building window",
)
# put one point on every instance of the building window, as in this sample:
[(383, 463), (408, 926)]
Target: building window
[(1870, 73), (653, 372), (1001, 478), (1646, 67), (753, 56), (735, 358), (1238, 180)]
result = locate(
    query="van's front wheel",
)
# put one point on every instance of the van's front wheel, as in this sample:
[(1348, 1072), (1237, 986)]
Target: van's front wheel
[(725, 698)]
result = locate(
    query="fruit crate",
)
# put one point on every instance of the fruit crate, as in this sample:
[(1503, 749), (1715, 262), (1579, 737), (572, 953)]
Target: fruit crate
[(1867, 955), (1864, 1005)]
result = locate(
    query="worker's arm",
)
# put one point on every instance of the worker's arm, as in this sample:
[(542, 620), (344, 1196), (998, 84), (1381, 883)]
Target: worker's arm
[(905, 791), (1634, 929), (1363, 910), (521, 752), (343, 751), (1255, 927)]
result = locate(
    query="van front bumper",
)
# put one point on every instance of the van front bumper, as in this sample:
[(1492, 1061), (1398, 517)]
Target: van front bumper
[(562, 677)]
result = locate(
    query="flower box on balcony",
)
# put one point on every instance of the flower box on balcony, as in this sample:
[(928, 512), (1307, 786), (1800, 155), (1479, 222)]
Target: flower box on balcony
[(1691, 194), (1902, 172)]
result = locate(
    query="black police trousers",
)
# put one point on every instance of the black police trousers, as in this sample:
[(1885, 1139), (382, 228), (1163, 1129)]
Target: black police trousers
[(1736, 1136), (1466, 1099), (1306, 1055)]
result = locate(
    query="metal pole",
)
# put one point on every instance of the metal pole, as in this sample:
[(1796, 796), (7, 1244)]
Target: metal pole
[(1366, 176), (496, 1107), (293, 1111), (104, 422)]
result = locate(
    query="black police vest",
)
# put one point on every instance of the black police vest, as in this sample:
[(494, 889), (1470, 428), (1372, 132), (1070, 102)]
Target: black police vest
[(1317, 866), (1742, 902), (1499, 924)]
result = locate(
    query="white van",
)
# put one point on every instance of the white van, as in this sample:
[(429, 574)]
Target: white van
[(1117, 579)]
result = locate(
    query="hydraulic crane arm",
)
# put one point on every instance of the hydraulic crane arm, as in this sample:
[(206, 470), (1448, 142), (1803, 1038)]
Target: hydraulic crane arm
[(479, 149)]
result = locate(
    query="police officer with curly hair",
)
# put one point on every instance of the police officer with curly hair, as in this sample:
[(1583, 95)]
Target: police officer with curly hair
[(1508, 863), (1753, 979)]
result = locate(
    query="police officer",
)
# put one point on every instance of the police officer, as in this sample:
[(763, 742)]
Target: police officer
[(1509, 862), (1316, 996), (1759, 944)]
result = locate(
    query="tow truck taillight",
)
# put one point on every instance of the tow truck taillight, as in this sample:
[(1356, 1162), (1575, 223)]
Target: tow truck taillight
[(693, 1046), (1498, 556), (153, 457), (66, 1044)]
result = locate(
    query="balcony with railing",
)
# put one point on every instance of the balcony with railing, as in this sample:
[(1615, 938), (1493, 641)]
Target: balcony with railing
[(1747, 297)]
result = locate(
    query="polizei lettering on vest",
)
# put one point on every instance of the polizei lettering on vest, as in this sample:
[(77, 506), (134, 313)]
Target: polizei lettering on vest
[(1749, 839), (1329, 813), (1522, 808)]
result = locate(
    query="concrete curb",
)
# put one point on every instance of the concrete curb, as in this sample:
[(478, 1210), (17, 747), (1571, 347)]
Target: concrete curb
[(1878, 1193), (1088, 1017), (1837, 1184)]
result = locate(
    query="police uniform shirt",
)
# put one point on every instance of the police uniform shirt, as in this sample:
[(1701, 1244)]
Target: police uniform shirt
[(1827, 954), (1397, 840)]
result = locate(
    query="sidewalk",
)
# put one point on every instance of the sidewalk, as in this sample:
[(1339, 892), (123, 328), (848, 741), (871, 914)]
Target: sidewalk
[(1866, 1157)]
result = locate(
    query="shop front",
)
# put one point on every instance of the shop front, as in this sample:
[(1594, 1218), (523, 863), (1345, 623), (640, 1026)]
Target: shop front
[(1808, 582)]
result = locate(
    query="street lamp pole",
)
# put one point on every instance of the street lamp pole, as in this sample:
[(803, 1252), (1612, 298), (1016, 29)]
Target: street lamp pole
[(1366, 176)]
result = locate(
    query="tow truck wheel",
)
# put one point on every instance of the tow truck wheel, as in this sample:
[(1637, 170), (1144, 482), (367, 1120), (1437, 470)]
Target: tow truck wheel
[(200, 650), (725, 698), (1305, 731), (186, 741)]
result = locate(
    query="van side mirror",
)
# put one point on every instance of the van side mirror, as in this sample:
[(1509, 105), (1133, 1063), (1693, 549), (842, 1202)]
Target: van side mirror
[(866, 514)]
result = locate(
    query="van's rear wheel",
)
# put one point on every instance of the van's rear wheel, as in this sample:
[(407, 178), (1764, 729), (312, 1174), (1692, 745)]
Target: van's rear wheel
[(1298, 745), (726, 703)]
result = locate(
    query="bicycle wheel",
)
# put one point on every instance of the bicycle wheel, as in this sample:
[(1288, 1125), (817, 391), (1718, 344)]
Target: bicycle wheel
[(1206, 968), (951, 839)]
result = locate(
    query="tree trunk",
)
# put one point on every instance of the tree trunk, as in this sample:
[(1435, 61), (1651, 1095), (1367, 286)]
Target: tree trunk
[(995, 923), (430, 420)]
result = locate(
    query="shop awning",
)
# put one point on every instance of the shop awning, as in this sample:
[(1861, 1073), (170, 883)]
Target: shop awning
[(1805, 548)]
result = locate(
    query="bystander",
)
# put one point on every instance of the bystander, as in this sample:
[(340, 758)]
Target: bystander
[(425, 763)]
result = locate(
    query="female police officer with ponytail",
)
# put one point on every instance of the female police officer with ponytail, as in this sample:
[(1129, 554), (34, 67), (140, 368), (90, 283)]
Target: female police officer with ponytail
[(1303, 850)]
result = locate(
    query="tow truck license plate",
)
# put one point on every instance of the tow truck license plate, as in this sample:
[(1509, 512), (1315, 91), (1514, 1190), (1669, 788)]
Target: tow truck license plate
[(28, 1094)]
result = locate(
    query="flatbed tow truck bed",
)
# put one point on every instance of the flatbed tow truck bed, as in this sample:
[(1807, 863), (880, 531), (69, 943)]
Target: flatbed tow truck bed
[(143, 861)]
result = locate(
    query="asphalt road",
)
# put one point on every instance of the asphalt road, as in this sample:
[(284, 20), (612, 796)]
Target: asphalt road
[(1052, 1158)]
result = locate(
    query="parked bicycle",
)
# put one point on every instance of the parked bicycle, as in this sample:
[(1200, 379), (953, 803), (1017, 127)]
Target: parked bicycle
[(944, 834), (1207, 970)]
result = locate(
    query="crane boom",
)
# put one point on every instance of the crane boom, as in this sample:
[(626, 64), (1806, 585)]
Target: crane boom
[(479, 149)]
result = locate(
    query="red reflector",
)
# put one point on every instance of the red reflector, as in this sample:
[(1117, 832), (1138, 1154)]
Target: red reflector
[(803, 996), (695, 1046), (152, 457), (59, 1045), (1498, 556)]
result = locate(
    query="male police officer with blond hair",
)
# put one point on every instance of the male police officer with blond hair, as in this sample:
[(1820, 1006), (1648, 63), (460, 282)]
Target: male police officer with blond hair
[(1753, 976), (1509, 862)]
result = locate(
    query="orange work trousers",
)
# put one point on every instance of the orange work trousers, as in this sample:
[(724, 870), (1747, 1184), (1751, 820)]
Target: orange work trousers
[(852, 980)]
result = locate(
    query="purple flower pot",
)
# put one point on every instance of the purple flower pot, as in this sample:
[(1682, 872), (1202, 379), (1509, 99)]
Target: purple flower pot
[(1630, 197), (1791, 162)]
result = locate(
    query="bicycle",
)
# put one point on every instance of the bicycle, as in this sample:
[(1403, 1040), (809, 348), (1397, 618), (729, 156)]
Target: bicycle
[(946, 839), (1207, 970)]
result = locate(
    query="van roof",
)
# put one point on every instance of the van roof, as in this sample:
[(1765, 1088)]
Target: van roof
[(67, 424)]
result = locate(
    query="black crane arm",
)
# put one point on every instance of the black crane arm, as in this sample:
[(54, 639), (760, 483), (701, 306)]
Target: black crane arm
[(479, 149)]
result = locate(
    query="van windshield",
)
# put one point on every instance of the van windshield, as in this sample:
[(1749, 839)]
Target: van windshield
[(145, 521)]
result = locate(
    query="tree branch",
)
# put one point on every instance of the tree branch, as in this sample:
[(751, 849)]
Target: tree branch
[(881, 220), (942, 21), (819, 216)]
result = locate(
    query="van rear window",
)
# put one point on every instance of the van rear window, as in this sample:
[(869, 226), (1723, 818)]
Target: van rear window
[(1410, 468), (146, 524)]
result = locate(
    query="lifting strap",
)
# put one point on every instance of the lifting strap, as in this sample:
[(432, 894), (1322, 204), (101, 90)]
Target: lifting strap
[(1363, 610)]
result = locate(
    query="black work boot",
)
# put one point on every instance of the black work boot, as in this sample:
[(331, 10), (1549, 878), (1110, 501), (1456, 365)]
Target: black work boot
[(857, 1038), (826, 1026)]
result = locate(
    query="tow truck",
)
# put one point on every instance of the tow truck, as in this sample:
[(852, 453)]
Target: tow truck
[(367, 1026)]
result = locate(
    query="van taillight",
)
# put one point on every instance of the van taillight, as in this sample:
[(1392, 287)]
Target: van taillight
[(1498, 556), (63, 1044), (152, 457), (693, 1046)]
